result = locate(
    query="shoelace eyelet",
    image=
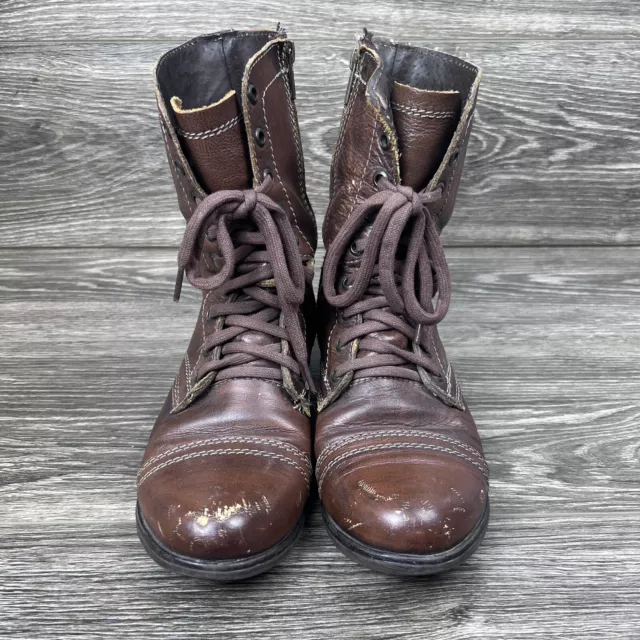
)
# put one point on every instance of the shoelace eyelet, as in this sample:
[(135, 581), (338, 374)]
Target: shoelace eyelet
[(266, 173), (378, 175), (259, 136), (385, 143), (196, 197), (454, 156), (354, 251), (346, 284), (252, 93)]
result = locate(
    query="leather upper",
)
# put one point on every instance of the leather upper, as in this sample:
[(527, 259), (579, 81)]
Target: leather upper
[(399, 462), (227, 469)]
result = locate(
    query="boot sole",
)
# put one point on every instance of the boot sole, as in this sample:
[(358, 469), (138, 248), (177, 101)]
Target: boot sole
[(406, 564), (226, 570)]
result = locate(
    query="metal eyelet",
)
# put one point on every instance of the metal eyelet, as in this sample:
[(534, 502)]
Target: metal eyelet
[(378, 175), (338, 346), (442, 185), (454, 156), (345, 283), (354, 251), (179, 167), (252, 93), (267, 173), (385, 143), (260, 137), (196, 197)]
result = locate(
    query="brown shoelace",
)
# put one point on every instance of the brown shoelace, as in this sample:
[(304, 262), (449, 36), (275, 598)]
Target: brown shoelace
[(259, 252), (389, 291)]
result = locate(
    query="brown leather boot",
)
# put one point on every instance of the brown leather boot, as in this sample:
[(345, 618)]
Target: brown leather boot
[(225, 476), (400, 467)]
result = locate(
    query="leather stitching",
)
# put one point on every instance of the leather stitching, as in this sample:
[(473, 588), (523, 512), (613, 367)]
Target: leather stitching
[(392, 446), (451, 178), (348, 111), (298, 141), (273, 157), (229, 440), (187, 371), (326, 373), (446, 373), (210, 133), (366, 164), (423, 113), (389, 433), (175, 396), (212, 452), (203, 325)]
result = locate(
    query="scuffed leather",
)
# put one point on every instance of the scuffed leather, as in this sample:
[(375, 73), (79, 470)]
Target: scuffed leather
[(212, 136), (227, 469), (400, 465)]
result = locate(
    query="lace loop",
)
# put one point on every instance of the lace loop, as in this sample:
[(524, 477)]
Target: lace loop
[(401, 218), (250, 260)]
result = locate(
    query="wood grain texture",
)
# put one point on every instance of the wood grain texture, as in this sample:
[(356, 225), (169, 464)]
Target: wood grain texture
[(75, 20), (554, 157), (545, 341)]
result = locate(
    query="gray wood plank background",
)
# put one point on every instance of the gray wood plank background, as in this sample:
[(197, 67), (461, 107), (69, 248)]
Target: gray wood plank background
[(544, 328)]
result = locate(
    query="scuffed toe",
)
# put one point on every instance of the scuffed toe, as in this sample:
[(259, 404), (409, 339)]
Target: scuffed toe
[(420, 504), (223, 506)]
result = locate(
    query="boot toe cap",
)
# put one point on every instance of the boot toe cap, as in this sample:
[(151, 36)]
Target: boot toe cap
[(415, 503), (223, 506)]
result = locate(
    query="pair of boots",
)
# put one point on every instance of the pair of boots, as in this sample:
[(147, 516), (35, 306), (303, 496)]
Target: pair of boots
[(398, 461)]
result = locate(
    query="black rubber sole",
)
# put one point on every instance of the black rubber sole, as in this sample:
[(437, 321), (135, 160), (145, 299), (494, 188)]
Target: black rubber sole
[(406, 564), (230, 570)]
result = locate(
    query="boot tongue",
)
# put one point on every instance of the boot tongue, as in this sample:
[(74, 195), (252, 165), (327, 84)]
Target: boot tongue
[(213, 140), (425, 122)]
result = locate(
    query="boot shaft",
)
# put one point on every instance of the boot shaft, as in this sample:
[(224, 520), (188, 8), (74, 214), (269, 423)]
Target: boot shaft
[(228, 117), (407, 116)]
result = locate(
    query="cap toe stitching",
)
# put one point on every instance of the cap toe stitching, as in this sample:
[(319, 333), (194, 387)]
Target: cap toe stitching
[(305, 471), (399, 445)]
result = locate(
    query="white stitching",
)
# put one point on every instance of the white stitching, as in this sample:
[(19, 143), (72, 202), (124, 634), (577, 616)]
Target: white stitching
[(214, 452), (423, 113), (202, 322), (298, 144), (346, 440), (187, 370), (452, 174), (174, 391), (435, 349), (210, 133), (273, 157), (326, 373), (349, 109), (229, 440), (366, 166), (399, 445)]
